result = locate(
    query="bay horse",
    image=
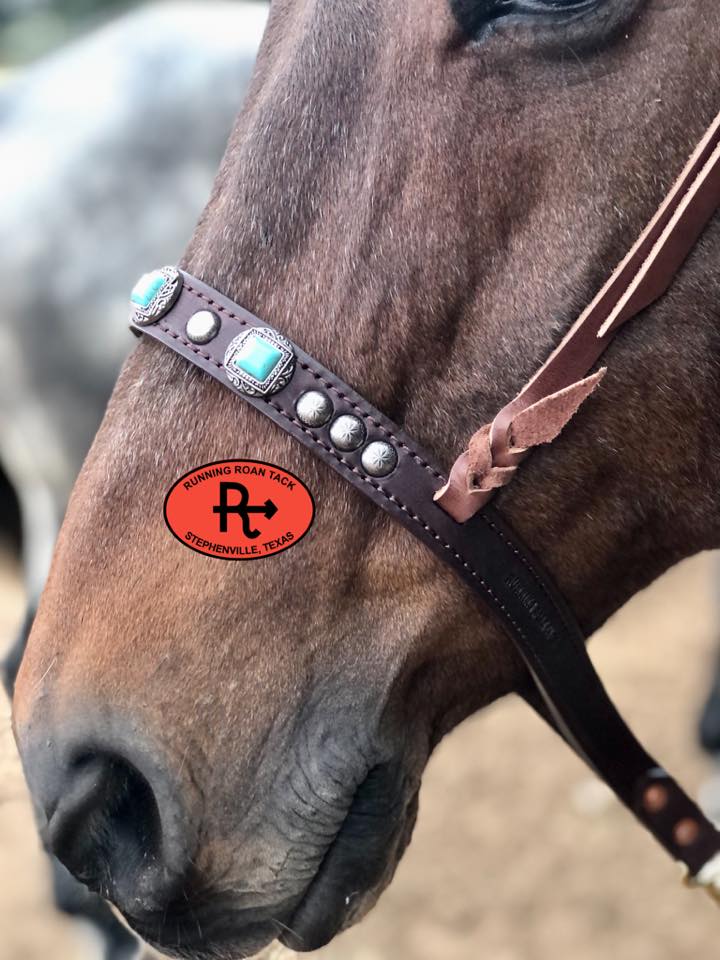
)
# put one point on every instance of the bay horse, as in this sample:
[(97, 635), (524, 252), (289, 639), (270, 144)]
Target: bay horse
[(424, 196)]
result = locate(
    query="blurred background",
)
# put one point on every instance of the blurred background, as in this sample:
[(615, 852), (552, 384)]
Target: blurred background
[(113, 118), (32, 28)]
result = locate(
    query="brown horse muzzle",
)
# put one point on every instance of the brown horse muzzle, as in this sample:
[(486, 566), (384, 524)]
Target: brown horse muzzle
[(116, 813)]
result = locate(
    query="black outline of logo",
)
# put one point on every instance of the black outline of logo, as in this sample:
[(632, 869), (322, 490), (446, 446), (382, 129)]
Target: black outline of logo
[(263, 463)]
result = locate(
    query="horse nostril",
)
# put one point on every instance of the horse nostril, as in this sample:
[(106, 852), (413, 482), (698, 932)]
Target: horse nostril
[(115, 810), (105, 826)]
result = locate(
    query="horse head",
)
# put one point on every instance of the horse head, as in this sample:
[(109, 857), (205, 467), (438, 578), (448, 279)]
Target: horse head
[(423, 196)]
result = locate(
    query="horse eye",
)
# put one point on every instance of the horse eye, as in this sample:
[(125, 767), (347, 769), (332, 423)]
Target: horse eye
[(473, 15), (544, 7)]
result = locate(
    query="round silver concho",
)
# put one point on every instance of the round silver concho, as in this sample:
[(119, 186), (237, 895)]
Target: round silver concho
[(259, 362), (202, 327), (314, 408), (347, 432), (154, 295), (379, 458)]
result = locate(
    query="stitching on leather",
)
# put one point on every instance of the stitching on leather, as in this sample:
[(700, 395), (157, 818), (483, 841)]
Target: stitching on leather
[(321, 378), (214, 303), (191, 346), (533, 572), (517, 553), (349, 466), (388, 496), (388, 433), (413, 516)]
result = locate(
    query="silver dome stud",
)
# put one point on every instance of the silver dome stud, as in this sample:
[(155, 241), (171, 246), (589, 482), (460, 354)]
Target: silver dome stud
[(347, 432), (314, 408), (202, 327), (379, 458)]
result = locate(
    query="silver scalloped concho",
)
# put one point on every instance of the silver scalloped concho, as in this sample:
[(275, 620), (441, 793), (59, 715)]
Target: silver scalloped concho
[(347, 432), (314, 408), (155, 294), (379, 458), (259, 361)]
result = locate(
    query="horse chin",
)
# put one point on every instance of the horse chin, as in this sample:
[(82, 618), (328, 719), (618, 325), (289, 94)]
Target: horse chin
[(353, 872), (209, 927), (250, 941), (324, 911)]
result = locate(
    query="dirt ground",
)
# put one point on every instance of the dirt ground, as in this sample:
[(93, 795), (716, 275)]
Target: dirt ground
[(519, 854)]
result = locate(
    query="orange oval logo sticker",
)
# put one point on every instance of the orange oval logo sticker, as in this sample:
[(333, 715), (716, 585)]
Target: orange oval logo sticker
[(239, 509)]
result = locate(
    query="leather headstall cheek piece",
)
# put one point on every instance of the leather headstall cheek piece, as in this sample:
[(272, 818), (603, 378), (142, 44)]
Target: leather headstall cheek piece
[(451, 515)]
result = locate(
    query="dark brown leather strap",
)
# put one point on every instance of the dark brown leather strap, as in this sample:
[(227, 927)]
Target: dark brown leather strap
[(558, 387), (483, 552)]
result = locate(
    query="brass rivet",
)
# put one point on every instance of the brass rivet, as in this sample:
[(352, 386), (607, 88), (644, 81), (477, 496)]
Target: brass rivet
[(686, 832), (655, 798)]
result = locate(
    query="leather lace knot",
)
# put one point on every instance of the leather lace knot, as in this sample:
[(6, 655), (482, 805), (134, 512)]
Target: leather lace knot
[(491, 459)]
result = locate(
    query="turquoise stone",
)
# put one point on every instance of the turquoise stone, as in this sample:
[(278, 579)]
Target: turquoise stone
[(258, 358), (146, 288)]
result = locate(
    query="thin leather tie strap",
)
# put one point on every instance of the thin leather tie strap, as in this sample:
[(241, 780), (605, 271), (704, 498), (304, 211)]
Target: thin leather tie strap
[(483, 552), (559, 387)]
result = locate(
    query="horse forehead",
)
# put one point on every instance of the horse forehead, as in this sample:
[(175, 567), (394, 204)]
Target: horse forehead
[(345, 91), (314, 44)]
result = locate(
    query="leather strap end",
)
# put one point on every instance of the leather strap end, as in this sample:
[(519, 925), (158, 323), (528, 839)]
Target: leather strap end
[(457, 498), (708, 878), (680, 826), (543, 421), (475, 476)]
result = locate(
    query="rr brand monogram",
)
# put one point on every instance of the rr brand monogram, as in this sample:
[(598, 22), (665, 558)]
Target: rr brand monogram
[(242, 508)]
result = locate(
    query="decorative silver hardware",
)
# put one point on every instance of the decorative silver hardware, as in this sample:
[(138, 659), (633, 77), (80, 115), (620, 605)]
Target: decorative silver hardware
[(259, 362), (379, 458), (202, 327), (314, 408), (347, 432), (155, 294)]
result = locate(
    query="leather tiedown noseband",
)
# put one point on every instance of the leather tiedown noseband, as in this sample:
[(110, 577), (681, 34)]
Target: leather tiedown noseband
[(379, 459)]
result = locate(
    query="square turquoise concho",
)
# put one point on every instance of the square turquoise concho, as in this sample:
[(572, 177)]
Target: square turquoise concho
[(257, 358), (259, 362)]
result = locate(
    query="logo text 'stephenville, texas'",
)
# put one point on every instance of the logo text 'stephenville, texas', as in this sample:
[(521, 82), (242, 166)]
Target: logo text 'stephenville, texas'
[(239, 509)]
